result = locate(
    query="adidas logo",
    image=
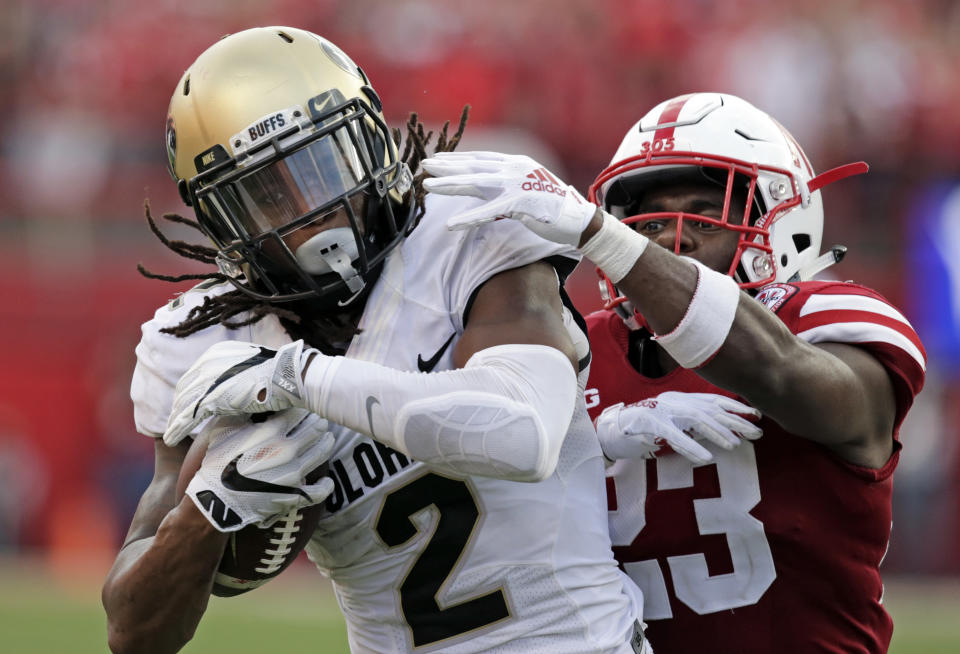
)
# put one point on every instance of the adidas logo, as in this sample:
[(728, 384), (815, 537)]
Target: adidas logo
[(544, 181)]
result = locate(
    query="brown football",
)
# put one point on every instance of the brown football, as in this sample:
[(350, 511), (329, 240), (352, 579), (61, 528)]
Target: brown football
[(255, 555)]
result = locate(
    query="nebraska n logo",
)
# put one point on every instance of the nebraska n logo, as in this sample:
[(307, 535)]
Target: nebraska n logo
[(544, 181)]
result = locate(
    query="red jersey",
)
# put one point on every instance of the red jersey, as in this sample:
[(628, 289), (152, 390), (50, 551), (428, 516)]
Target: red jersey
[(776, 545)]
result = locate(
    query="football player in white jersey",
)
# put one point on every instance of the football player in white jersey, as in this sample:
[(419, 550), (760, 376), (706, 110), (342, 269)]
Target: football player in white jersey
[(464, 505), (710, 225)]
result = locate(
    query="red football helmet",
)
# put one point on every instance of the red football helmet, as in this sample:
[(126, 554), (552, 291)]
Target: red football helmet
[(725, 140)]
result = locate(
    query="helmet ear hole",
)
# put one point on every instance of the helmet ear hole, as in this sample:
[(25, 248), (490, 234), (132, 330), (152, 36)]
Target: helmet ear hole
[(801, 241)]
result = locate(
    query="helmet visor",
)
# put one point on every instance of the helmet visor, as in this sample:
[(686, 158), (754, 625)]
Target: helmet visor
[(305, 180)]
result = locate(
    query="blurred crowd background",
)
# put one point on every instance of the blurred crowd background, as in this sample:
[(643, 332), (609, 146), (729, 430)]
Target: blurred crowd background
[(82, 111)]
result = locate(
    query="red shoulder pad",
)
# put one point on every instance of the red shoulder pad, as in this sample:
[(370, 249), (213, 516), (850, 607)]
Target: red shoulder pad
[(842, 312)]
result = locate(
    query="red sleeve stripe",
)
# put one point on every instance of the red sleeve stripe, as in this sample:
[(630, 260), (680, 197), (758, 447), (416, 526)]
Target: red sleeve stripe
[(863, 332), (850, 303), (822, 318)]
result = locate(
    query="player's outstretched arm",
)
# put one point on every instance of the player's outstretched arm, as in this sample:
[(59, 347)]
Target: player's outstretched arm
[(835, 394), (159, 585), (503, 413), (832, 393)]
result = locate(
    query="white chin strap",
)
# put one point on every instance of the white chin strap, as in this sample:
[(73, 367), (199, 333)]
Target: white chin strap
[(332, 251), (824, 261)]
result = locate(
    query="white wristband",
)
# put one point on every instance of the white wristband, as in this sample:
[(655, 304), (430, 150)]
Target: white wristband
[(707, 322), (615, 248)]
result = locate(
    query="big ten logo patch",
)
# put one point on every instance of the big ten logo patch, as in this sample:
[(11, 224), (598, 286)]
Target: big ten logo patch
[(773, 296)]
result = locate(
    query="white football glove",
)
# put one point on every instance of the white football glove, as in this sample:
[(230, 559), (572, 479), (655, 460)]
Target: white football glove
[(514, 186), (233, 377), (254, 472), (676, 420)]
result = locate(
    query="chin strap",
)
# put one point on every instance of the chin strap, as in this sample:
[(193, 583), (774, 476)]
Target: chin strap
[(824, 261)]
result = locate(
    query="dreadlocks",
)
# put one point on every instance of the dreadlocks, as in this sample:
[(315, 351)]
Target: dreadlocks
[(415, 150), (326, 333)]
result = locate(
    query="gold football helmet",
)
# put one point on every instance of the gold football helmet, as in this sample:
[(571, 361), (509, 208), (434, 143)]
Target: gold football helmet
[(273, 130)]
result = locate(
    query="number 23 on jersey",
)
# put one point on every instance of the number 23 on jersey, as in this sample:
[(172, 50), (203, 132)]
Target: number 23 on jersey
[(726, 514)]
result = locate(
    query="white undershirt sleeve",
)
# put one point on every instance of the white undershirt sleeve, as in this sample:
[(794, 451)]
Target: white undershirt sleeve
[(504, 414)]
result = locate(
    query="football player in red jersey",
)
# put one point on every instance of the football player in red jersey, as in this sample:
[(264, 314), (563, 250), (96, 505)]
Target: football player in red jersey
[(708, 236)]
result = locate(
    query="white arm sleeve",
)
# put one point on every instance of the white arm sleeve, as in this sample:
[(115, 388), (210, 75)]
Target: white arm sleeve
[(505, 414)]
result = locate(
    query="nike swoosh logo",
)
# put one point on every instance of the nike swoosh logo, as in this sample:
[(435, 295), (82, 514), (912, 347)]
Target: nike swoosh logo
[(319, 105), (233, 479), (430, 364), (371, 400), (265, 354), (217, 509)]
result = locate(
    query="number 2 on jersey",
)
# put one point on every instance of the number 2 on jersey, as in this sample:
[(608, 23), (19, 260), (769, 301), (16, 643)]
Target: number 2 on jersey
[(457, 516), (728, 514)]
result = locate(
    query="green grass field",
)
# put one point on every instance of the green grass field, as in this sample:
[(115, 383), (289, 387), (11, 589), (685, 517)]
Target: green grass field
[(45, 613)]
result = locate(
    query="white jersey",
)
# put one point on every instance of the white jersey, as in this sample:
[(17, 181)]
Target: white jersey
[(427, 561)]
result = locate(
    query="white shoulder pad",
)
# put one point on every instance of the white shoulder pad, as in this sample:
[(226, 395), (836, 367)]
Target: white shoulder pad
[(163, 358)]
